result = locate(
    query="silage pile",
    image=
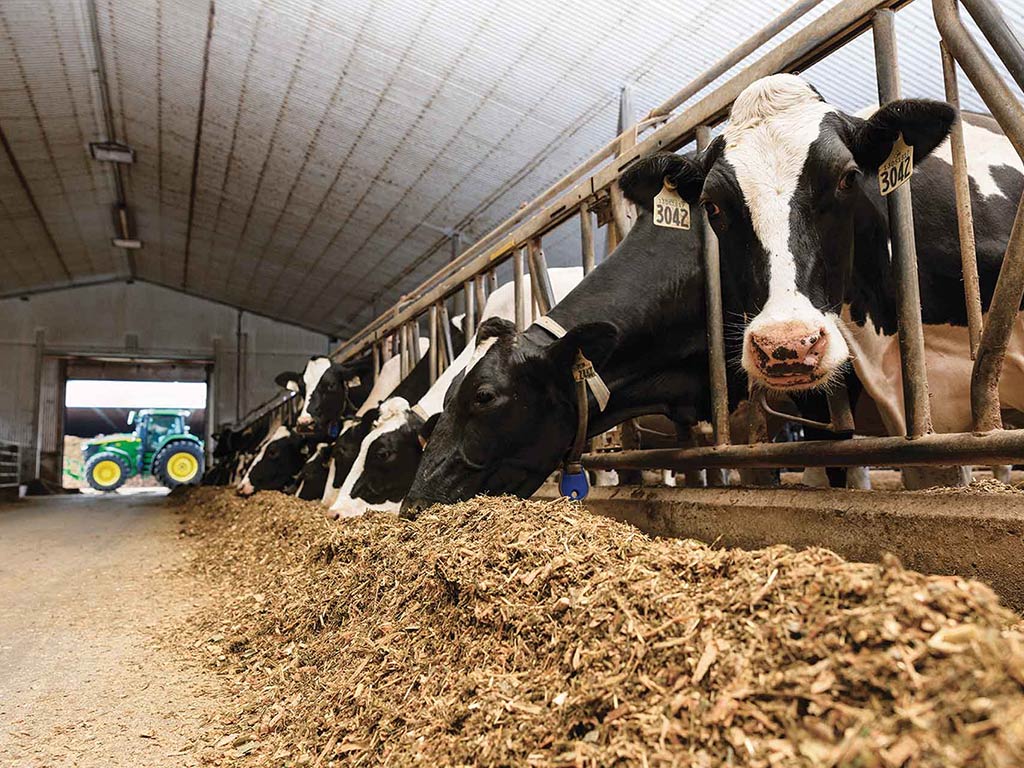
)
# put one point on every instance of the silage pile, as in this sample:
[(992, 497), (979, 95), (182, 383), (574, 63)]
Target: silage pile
[(505, 632)]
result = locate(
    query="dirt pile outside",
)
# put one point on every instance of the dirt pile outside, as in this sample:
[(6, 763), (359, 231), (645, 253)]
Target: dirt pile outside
[(504, 632)]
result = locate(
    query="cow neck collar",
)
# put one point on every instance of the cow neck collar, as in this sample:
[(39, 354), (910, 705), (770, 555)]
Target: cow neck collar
[(592, 378)]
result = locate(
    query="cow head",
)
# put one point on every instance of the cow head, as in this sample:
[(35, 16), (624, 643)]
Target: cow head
[(783, 185), (310, 378), (346, 446), (387, 462), (510, 420), (280, 459), (327, 401)]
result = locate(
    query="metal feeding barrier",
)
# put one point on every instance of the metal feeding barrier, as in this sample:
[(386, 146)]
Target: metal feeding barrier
[(592, 187)]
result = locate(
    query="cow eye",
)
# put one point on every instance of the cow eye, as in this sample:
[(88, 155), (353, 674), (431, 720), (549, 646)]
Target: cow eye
[(712, 210), (484, 397), (847, 180)]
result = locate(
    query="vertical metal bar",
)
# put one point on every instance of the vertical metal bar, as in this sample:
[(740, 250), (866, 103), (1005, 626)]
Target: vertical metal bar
[(492, 281), (901, 227), (517, 285), (480, 295), (715, 320), (376, 362), (1002, 312), (540, 281), (414, 343), (468, 327), (446, 334), (434, 340), (964, 215), (403, 338), (587, 238)]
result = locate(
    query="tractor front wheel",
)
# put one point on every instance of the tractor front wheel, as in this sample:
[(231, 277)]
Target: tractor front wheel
[(178, 463), (106, 471)]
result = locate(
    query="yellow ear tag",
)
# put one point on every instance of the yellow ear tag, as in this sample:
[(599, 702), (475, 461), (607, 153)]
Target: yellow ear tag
[(670, 210), (897, 168)]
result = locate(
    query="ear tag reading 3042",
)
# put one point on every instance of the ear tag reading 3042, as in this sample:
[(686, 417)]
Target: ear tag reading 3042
[(897, 168), (670, 210)]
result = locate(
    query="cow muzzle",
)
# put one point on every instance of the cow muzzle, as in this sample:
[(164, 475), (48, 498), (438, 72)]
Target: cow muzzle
[(246, 489), (789, 355)]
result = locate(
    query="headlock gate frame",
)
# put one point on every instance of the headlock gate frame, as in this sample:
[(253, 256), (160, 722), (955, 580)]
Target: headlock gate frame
[(592, 187)]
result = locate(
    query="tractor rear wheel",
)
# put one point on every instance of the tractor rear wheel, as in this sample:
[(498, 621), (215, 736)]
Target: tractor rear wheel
[(106, 471), (179, 463)]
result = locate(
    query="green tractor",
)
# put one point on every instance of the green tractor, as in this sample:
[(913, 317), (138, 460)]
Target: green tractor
[(161, 445)]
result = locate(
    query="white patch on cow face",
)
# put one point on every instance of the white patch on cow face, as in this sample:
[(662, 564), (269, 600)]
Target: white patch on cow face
[(245, 488), (393, 416), (481, 349), (772, 126), (315, 370)]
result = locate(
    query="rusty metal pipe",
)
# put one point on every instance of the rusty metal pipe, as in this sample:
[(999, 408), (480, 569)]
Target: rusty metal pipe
[(715, 318), (964, 214), (904, 250), (468, 326), (1002, 314), (999, 447), (434, 341), (587, 239), (517, 286), (540, 280)]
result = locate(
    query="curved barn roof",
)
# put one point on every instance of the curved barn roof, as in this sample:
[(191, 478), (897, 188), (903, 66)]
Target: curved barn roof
[(306, 159)]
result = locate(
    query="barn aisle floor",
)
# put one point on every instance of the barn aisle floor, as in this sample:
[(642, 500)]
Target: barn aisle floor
[(88, 585)]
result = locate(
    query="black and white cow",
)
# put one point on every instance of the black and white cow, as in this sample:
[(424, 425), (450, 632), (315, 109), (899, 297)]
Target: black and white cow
[(312, 477), (385, 463), (234, 449), (791, 185), (330, 390), (414, 386), (280, 459), (638, 317)]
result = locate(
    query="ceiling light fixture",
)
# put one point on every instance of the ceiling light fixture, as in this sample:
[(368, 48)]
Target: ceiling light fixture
[(123, 222), (111, 152)]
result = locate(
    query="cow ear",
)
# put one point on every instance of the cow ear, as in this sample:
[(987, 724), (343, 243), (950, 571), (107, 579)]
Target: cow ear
[(427, 429), (289, 380), (595, 340), (924, 123), (495, 327), (644, 179)]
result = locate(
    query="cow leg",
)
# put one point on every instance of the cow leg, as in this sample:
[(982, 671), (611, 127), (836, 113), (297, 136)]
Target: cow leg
[(696, 479), (1001, 472), (859, 478)]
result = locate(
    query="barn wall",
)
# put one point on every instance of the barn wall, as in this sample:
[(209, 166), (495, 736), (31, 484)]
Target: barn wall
[(145, 321)]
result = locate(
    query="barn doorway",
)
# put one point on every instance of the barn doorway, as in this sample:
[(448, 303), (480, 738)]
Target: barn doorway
[(86, 397)]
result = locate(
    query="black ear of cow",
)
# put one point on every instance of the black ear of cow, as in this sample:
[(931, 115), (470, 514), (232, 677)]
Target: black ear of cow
[(285, 378), (645, 178), (495, 326), (595, 340), (427, 429), (924, 123)]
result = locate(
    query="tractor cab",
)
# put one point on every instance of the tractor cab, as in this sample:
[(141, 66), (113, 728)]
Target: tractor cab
[(153, 425)]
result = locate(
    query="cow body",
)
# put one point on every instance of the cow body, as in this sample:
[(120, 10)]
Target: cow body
[(510, 420), (386, 463)]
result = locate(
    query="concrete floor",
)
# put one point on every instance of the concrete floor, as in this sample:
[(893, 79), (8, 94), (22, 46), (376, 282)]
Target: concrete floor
[(88, 585)]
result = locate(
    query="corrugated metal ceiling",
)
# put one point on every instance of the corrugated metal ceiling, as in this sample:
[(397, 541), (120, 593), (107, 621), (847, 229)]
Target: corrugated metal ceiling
[(337, 140)]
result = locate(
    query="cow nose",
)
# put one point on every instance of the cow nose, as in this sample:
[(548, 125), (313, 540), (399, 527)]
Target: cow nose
[(788, 350), (411, 509), (246, 489), (304, 420)]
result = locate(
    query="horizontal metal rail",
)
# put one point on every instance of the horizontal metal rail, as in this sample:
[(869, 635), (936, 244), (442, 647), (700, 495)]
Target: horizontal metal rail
[(812, 43), (999, 447)]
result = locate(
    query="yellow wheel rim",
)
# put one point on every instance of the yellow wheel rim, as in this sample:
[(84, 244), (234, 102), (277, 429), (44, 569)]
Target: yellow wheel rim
[(182, 467), (107, 472)]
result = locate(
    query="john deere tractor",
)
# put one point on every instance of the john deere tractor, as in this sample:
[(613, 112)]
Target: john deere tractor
[(161, 445)]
